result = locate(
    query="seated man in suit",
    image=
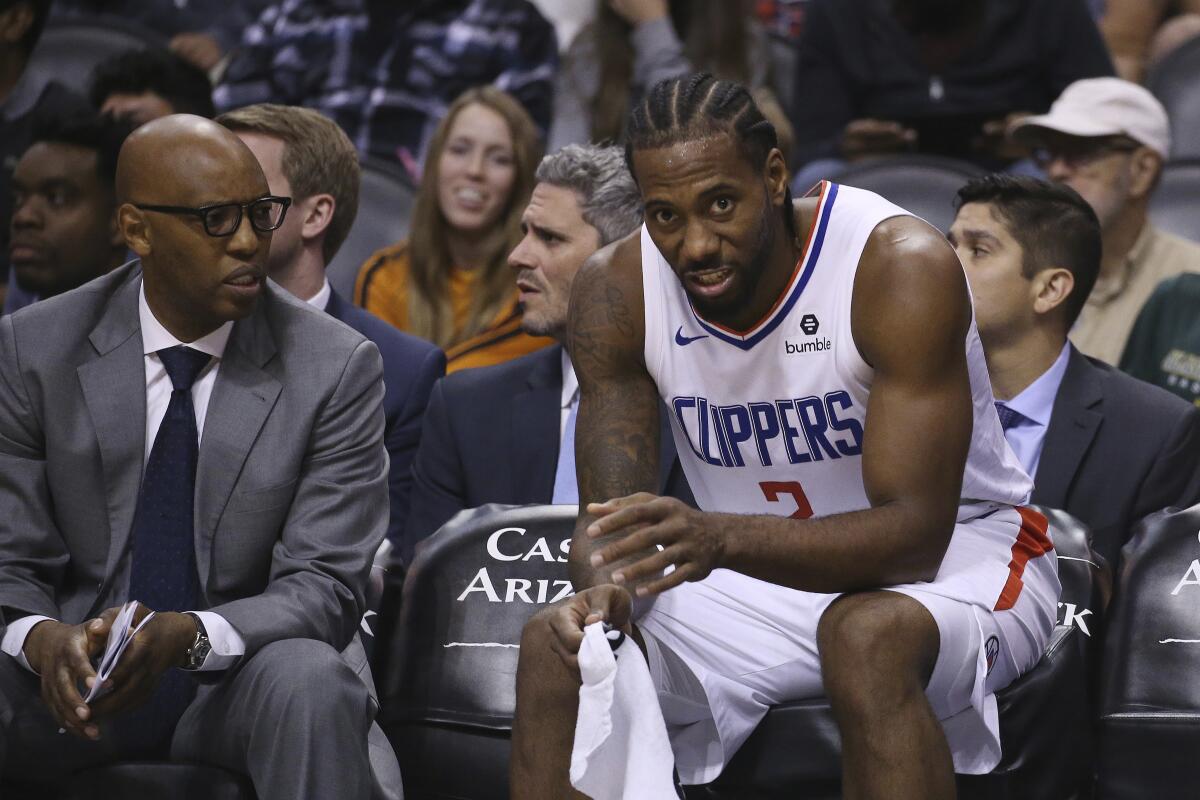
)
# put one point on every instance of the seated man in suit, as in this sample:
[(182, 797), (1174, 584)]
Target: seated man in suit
[(64, 224), (308, 158), (506, 434), (183, 434), (1100, 445)]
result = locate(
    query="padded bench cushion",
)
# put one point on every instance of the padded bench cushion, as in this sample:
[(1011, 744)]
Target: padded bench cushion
[(160, 780)]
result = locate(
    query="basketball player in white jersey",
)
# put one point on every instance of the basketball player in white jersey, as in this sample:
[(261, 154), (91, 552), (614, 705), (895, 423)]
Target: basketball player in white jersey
[(861, 534)]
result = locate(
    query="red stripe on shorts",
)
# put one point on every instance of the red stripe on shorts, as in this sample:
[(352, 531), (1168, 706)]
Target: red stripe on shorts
[(1031, 542)]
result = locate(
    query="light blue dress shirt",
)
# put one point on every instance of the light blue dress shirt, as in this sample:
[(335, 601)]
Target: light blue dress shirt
[(1035, 403)]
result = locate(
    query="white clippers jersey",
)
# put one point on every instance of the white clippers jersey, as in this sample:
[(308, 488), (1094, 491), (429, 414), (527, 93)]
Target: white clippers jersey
[(770, 420)]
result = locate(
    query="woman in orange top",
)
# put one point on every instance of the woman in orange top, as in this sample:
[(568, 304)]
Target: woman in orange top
[(449, 282)]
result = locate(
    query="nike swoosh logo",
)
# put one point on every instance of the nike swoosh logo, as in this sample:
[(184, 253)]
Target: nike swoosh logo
[(682, 340)]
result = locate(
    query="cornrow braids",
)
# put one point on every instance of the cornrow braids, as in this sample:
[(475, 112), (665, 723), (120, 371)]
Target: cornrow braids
[(698, 106)]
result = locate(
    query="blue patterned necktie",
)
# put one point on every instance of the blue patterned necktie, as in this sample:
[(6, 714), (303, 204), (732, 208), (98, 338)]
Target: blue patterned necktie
[(163, 573), (566, 489), (1009, 418)]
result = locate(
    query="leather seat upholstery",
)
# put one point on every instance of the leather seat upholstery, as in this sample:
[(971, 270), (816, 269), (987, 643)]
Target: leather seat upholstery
[(1150, 701), (448, 697)]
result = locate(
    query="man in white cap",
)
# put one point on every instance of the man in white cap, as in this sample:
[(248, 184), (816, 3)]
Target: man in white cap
[(1107, 139)]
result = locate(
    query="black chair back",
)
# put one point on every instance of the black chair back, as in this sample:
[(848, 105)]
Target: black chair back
[(1175, 81), (71, 48), (1175, 203), (1150, 700), (385, 204), (924, 185)]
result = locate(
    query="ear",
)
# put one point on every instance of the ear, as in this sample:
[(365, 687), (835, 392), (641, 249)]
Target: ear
[(1145, 167), (116, 239), (317, 215), (1051, 288), (15, 22), (775, 172), (134, 230)]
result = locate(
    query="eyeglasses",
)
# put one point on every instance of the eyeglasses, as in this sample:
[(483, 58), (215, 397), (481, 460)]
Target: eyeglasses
[(1076, 155), (223, 219)]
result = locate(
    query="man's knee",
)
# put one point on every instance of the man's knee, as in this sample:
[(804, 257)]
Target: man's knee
[(876, 644), (303, 671)]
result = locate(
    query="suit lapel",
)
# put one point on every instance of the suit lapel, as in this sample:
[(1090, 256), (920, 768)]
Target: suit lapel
[(242, 398), (1073, 425), (113, 386), (535, 421)]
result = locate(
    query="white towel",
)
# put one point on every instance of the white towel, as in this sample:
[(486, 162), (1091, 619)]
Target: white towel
[(621, 747)]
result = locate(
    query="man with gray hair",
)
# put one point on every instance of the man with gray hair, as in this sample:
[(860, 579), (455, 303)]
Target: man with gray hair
[(522, 450)]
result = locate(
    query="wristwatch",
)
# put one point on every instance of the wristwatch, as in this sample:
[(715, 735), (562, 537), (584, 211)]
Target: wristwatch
[(198, 652)]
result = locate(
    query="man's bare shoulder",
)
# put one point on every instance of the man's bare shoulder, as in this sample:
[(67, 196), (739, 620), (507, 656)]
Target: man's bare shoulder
[(903, 249), (908, 277), (606, 318), (618, 263)]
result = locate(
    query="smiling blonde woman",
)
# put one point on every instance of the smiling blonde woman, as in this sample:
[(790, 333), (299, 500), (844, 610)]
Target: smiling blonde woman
[(449, 281)]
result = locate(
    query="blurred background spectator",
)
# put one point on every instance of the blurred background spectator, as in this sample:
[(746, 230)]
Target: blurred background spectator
[(877, 77), (141, 85), (200, 31), (387, 72), (448, 282), (1140, 33), (1107, 139), (1164, 347), (64, 221), (633, 44), (24, 99)]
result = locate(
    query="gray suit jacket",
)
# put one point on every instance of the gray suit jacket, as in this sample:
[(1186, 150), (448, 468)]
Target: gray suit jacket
[(291, 486)]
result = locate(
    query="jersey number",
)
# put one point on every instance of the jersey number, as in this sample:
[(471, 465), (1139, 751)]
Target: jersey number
[(772, 489)]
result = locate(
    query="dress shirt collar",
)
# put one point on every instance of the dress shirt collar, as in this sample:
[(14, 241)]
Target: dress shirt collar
[(155, 337), (1036, 401), (570, 383), (320, 300)]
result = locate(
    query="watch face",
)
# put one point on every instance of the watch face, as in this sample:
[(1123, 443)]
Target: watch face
[(199, 652)]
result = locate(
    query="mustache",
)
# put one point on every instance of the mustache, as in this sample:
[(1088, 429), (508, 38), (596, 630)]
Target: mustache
[(530, 277)]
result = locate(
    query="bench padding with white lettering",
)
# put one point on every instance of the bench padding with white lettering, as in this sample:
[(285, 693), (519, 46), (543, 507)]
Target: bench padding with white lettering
[(1150, 702)]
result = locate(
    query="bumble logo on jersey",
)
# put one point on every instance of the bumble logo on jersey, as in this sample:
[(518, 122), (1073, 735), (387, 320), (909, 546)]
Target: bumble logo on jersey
[(771, 431)]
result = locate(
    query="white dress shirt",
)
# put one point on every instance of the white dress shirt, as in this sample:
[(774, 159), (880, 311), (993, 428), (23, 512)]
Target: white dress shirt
[(321, 298), (570, 394), (1036, 404), (227, 644)]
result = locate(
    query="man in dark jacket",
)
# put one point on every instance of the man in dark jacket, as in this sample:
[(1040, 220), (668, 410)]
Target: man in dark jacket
[(1100, 445)]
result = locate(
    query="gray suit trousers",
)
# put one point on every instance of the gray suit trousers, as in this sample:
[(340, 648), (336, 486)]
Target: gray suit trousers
[(295, 717)]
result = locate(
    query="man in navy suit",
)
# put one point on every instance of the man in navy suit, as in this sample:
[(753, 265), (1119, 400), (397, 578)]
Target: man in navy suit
[(1100, 445), (307, 157), (506, 433)]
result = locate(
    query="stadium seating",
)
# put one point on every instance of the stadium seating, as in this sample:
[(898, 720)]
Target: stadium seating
[(449, 694), (69, 49), (385, 204), (1176, 83), (1149, 731), (1175, 204), (925, 185)]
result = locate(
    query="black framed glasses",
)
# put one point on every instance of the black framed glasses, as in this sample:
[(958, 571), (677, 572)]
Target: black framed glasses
[(1080, 154), (223, 219)]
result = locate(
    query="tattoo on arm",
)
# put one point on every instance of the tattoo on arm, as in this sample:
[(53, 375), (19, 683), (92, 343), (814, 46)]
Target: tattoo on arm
[(616, 434)]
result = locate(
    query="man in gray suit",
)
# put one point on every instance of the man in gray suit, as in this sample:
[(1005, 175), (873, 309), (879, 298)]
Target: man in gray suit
[(1100, 445), (180, 433)]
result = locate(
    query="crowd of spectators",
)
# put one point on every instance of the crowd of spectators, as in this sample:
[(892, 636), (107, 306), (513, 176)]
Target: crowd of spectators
[(508, 117)]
